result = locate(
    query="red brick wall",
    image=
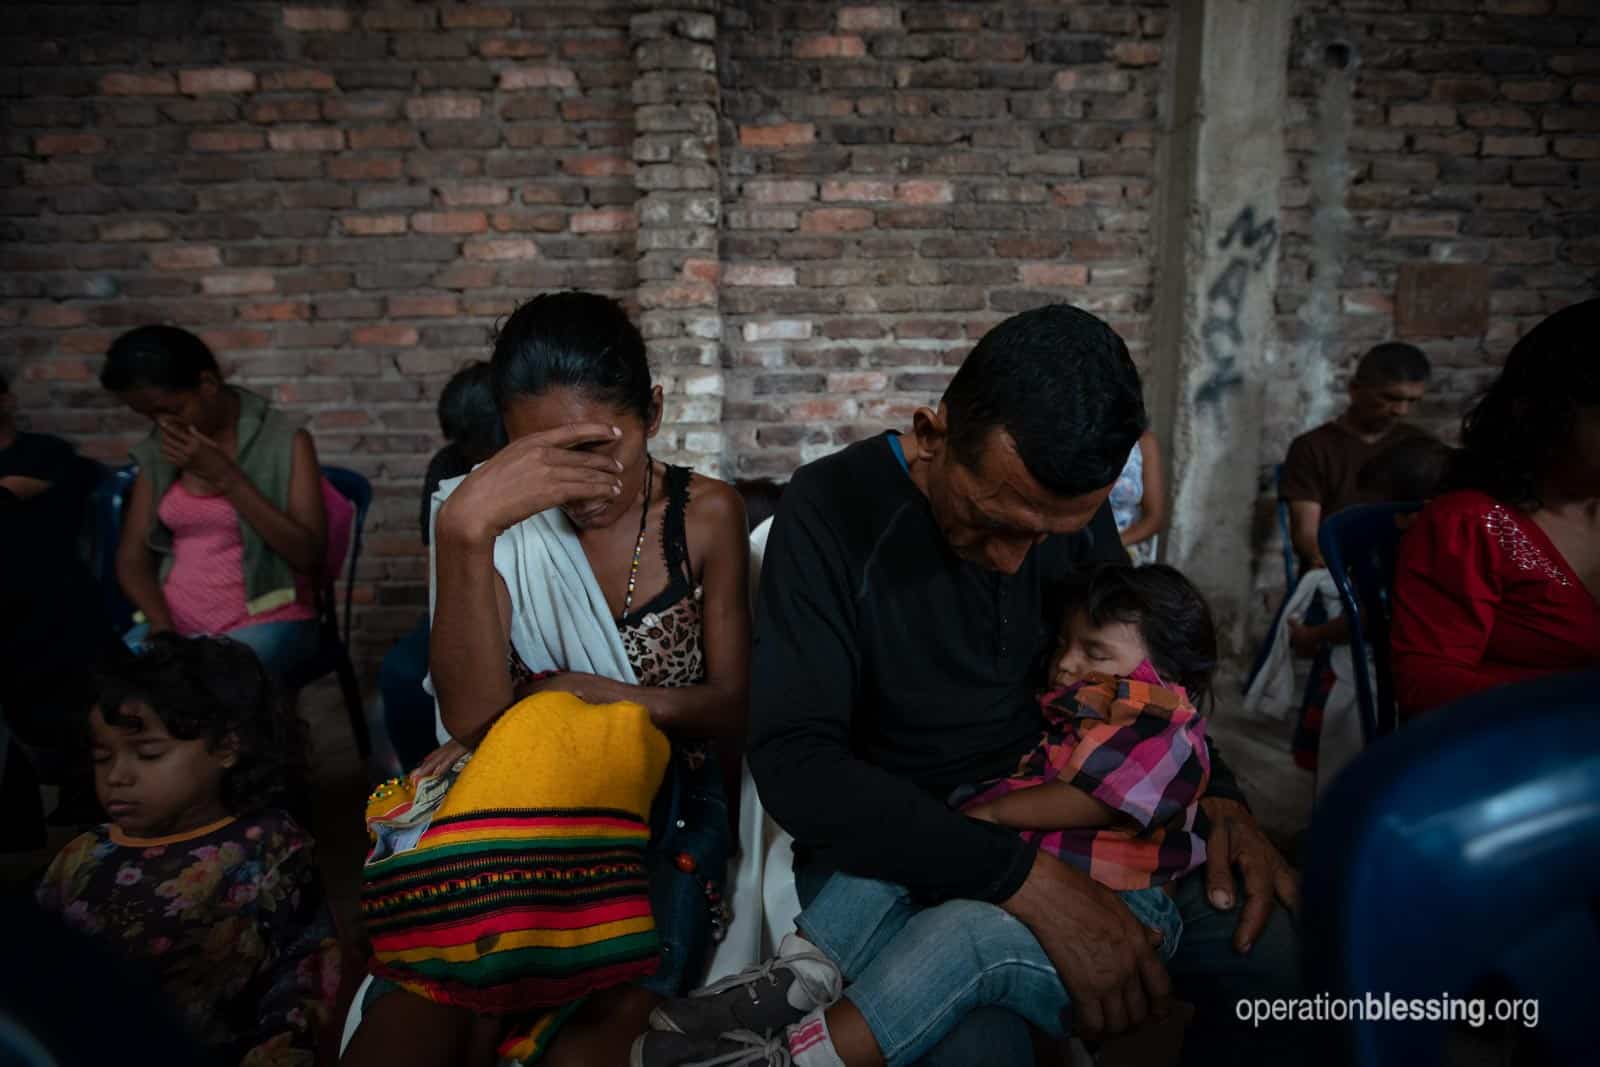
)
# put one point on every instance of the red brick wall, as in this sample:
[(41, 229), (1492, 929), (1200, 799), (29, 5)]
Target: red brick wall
[(343, 198), (1475, 139), (899, 177), (342, 201)]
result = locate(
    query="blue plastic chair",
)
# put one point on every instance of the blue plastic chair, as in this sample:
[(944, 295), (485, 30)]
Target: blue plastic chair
[(333, 656), (1290, 564), (1359, 545), (105, 506), (1464, 850)]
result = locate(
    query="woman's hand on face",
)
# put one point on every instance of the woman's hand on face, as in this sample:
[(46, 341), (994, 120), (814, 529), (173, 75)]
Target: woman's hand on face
[(188, 449), (530, 475)]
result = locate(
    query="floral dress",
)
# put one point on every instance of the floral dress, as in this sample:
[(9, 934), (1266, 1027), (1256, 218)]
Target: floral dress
[(230, 918)]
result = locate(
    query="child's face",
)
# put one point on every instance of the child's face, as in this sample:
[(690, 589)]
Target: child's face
[(151, 783), (1115, 648)]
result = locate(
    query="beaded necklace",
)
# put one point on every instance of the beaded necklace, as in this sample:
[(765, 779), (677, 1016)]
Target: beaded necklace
[(638, 546)]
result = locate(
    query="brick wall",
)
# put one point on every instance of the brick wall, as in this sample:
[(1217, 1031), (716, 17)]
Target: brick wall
[(1428, 131), (341, 200), (899, 177), (1472, 139), (815, 207)]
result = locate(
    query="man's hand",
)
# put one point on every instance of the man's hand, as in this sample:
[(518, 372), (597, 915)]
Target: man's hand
[(1104, 956), (188, 449), (1236, 841)]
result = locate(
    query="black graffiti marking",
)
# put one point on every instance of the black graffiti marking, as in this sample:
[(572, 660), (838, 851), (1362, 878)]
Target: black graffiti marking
[(1221, 335)]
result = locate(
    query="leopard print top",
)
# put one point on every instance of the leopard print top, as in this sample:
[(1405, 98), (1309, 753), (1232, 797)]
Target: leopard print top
[(663, 639)]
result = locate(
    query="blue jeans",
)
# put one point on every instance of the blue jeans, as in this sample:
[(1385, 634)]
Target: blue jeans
[(284, 648), (915, 973), (907, 992)]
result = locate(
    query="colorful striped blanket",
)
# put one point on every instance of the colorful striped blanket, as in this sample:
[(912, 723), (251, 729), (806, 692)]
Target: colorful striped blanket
[(527, 889)]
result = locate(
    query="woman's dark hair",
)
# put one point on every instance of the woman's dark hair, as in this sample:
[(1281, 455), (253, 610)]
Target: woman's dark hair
[(166, 357), (468, 414), (1061, 383), (1173, 618), (214, 689), (1527, 415), (573, 340)]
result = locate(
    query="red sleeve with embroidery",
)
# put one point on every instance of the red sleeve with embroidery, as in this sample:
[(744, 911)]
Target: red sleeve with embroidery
[(1448, 587)]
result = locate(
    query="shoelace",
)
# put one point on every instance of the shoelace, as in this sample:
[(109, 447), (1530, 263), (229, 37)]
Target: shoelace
[(748, 976), (752, 1049)]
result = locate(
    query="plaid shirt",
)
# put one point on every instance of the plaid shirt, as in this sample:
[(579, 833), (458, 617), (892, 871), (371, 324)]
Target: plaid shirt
[(1137, 747)]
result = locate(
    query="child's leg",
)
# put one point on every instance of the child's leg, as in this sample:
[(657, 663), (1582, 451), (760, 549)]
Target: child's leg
[(852, 918), (848, 921), (945, 962), (1159, 912)]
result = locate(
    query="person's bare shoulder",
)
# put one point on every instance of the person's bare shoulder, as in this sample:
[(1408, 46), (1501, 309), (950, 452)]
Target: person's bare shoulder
[(714, 507)]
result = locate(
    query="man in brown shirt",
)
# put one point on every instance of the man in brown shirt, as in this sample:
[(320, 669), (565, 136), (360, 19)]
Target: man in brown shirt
[(1319, 475)]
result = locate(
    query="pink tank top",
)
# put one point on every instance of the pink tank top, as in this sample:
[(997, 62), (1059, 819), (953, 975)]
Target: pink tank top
[(205, 586)]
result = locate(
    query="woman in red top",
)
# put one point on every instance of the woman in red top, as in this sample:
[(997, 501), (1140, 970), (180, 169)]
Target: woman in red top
[(1498, 581)]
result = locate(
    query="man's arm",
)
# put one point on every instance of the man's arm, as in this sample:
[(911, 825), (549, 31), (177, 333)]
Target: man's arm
[(1305, 516), (805, 682)]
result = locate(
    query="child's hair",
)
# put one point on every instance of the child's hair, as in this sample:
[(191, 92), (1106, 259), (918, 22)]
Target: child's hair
[(1410, 470), (1173, 618), (214, 689)]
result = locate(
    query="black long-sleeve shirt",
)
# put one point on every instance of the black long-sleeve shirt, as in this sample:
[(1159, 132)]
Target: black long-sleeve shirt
[(887, 672)]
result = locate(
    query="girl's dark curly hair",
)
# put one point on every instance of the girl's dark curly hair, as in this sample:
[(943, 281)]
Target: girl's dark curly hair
[(1526, 417), (1173, 618), (215, 689)]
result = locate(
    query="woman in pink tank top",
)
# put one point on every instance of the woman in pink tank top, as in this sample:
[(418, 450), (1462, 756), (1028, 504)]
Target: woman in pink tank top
[(225, 528)]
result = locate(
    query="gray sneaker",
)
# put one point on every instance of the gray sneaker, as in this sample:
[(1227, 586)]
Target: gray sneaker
[(761, 999), (741, 1048)]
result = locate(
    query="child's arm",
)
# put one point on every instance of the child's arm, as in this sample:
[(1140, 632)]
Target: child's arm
[(1051, 806)]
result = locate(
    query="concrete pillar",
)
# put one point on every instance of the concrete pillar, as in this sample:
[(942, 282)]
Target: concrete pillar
[(1213, 335), (676, 101)]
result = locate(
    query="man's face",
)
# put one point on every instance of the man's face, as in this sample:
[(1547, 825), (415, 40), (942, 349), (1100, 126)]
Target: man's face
[(994, 512), (1378, 406)]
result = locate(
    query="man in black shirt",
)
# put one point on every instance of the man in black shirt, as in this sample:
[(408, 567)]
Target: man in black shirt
[(908, 602)]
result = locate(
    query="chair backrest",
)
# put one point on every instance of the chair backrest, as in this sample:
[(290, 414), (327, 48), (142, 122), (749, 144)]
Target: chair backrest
[(1359, 545), (1465, 848), (105, 506), (355, 488), (1290, 565)]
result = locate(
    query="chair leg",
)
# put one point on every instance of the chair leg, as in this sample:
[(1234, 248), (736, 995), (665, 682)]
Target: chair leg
[(352, 704)]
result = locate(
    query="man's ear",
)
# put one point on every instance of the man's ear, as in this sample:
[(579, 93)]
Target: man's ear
[(929, 432)]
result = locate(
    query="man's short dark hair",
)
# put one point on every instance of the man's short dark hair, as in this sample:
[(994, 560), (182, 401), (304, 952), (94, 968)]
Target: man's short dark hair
[(1392, 362), (1061, 383)]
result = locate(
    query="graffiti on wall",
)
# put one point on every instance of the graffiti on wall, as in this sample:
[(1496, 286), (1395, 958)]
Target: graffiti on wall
[(1221, 334)]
